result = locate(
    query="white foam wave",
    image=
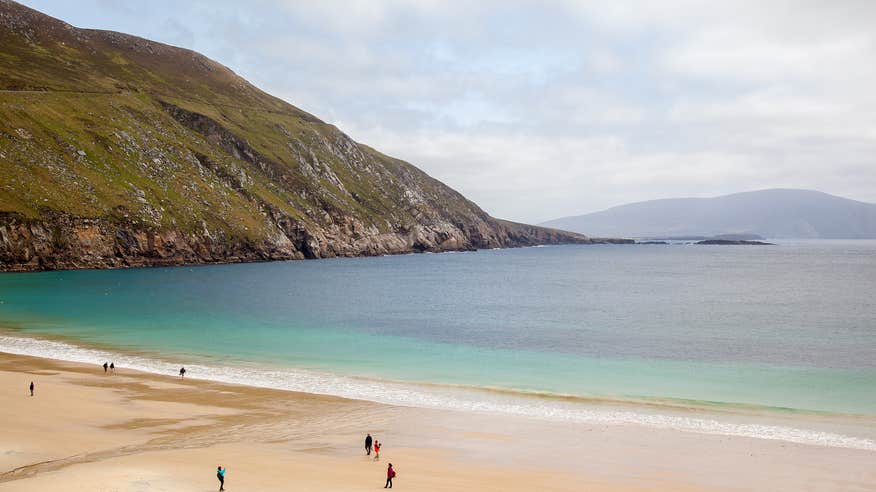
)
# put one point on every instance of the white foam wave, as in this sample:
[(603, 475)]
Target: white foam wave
[(412, 395)]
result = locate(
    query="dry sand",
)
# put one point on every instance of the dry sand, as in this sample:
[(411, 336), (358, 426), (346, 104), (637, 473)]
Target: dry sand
[(84, 430)]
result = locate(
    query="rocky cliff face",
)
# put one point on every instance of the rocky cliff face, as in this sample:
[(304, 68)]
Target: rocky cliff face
[(116, 151), (67, 242)]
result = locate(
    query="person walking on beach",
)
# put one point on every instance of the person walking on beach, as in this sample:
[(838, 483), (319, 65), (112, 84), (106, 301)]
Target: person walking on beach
[(220, 474), (113, 367), (182, 372), (104, 367), (368, 444), (31, 388), (376, 450), (390, 474)]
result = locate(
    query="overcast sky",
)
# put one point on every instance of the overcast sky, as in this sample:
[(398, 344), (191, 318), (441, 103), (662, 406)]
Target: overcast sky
[(537, 110)]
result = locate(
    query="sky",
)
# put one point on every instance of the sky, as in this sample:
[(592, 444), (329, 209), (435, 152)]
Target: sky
[(538, 110)]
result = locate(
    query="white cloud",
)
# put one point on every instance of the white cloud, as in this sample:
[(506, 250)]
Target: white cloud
[(537, 110)]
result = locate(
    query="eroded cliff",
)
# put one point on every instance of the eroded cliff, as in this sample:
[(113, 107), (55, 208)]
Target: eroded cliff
[(117, 151)]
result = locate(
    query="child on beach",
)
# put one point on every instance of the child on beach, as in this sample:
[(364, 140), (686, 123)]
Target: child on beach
[(220, 474), (182, 372), (390, 474), (376, 450)]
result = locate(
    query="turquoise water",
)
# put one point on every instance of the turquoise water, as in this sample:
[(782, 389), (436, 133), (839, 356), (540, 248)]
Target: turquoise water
[(789, 327)]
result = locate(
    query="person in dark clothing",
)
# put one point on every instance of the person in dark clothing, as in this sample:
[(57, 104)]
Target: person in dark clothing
[(368, 444), (182, 372), (112, 367), (104, 367), (390, 474), (31, 388), (220, 474)]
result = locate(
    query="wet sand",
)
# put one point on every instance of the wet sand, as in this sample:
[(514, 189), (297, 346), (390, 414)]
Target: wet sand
[(130, 431)]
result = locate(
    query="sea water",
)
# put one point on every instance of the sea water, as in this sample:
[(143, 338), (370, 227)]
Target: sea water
[(552, 332)]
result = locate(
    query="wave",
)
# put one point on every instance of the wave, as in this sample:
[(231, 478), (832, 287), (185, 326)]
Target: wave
[(564, 408)]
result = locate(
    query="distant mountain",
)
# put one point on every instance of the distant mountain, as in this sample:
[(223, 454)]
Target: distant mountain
[(775, 213), (119, 151)]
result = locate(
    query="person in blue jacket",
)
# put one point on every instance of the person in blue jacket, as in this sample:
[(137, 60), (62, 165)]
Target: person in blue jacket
[(220, 474)]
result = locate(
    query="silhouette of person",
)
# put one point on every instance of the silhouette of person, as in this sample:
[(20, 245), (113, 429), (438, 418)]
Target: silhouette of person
[(220, 474)]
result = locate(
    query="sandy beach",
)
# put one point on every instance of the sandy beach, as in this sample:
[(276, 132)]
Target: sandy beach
[(130, 431)]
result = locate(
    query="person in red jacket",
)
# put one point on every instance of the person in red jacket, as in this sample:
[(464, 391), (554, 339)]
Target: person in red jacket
[(390, 474), (376, 450)]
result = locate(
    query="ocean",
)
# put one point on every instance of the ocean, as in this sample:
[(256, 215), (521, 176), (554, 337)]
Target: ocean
[(615, 334)]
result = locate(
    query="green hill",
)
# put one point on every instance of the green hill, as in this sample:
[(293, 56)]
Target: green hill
[(119, 151)]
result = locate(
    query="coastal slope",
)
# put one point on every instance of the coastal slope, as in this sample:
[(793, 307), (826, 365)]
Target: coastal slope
[(118, 151), (775, 213)]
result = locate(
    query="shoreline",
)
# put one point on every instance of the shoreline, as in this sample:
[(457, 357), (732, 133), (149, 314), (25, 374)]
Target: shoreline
[(86, 428), (144, 262), (825, 429)]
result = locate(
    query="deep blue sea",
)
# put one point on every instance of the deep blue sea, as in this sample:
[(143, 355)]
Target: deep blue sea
[(547, 332)]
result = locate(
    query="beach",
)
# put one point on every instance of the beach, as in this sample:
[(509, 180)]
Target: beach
[(86, 430), (524, 246)]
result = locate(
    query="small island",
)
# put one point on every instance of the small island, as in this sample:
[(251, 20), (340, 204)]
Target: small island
[(732, 242)]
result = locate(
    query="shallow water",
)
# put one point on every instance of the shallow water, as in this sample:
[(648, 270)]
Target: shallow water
[(790, 327)]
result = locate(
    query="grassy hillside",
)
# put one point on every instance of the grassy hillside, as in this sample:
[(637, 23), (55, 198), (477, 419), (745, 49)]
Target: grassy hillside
[(130, 137)]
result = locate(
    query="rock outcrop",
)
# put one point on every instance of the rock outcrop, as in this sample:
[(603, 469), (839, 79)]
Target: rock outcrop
[(116, 151), (732, 242)]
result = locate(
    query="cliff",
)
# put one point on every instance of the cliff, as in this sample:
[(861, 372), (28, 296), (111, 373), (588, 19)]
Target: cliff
[(117, 151)]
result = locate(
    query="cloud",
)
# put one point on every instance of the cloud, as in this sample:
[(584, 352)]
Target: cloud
[(542, 109)]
